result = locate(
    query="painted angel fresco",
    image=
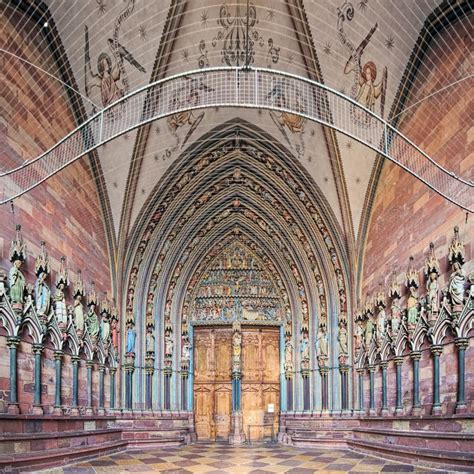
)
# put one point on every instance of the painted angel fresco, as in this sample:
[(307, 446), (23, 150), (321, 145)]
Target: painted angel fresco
[(282, 97), (369, 85), (188, 95), (111, 76)]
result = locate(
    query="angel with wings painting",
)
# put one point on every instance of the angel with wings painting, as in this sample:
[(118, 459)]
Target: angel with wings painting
[(110, 77), (366, 89)]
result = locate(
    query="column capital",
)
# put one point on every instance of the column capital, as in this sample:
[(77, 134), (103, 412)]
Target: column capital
[(384, 364), (112, 370), (90, 364), (38, 348), (58, 355), (398, 360), (360, 370), (324, 370), (13, 341), (344, 369), (436, 350), (101, 367), (415, 355), (75, 359), (130, 368), (372, 368), (462, 343)]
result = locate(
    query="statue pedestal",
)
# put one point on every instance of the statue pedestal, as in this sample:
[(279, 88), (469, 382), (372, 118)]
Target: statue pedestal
[(372, 412), (461, 408), (416, 411), (13, 409), (89, 411), (37, 410), (385, 412), (237, 433), (101, 412), (436, 410), (58, 411), (399, 412), (75, 411)]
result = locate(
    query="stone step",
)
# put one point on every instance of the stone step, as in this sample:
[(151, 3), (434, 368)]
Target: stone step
[(449, 459), (34, 460)]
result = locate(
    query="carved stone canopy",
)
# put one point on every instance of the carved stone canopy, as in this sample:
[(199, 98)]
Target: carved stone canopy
[(18, 246), (456, 249), (78, 285), (431, 262), (62, 277), (411, 276), (92, 296), (42, 261)]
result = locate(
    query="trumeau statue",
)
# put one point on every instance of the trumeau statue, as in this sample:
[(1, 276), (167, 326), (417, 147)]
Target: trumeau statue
[(288, 355), (16, 280), (59, 298), (42, 291), (78, 314)]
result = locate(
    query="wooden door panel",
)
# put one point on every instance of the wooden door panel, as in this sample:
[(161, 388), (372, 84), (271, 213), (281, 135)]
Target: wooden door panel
[(222, 410), (203, 408), (260, 380)]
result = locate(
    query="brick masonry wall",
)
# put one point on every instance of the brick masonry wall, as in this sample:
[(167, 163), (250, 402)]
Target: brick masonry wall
[(407, 215), (65, 211)]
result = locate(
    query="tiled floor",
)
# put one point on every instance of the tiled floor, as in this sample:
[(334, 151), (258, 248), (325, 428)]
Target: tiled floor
[(221, 458)]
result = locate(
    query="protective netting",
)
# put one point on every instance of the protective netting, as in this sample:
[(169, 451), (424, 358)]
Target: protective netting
[(256, 88)]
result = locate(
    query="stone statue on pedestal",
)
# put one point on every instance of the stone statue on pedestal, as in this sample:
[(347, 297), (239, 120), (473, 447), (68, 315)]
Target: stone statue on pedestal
[(16, 280), (456, 285), (59, 298), (42, 291), (131, 337), (92, 320), (78, 313), (412, 307)]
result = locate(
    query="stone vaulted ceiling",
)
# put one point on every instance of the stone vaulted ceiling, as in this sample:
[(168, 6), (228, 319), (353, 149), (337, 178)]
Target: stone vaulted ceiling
[(139, 41)]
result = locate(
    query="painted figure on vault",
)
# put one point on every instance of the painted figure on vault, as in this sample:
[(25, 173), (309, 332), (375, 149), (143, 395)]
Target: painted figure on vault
[(111, 77), (368, 85), (281, 96)]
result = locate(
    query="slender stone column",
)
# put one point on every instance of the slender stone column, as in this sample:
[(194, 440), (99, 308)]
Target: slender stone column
[(58, 355), (149, 370), (184, 390), (399, 399), (13, 406), (306, 391), (344, 370), (360, 378), (89, 409), (462, 344), (112, 372), (101, 408), (384, 366), (324, 389), (167, 381), (37, 407), (75, 387), (289, 392), (436, 351), (416, 356), (372, 390)]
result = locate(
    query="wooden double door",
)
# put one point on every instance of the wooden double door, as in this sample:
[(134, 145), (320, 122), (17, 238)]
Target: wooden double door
[(213, 383)]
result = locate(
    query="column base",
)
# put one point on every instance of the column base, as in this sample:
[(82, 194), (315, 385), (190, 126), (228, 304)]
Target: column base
[(58, 411), (101, 412), (324, 412), (37, 410), (75, 411), (237, 435), (13, 409), (89, 411), (399, 412), (436, 410), (461, 408), (345, 413), (416, 411), (385, 412), (372, 412)]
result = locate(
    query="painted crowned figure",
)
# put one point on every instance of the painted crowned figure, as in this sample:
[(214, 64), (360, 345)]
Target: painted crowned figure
[(42, 291), (59, 299), (16, 280)]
